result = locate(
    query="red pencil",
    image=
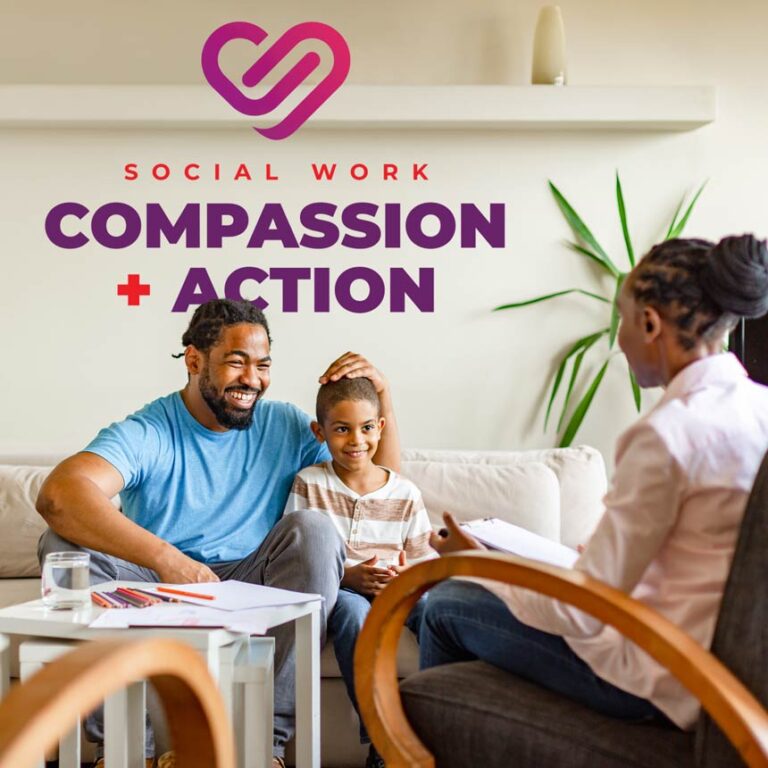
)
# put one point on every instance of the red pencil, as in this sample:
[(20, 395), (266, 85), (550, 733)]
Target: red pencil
[(183, 593)]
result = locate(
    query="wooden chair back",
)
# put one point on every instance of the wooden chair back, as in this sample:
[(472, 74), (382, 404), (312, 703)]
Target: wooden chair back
[(736, 711), (741, 636), (35, 714)]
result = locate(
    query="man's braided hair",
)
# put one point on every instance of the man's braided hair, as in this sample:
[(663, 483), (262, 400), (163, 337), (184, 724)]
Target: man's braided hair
[(210, 318), (704, 288)]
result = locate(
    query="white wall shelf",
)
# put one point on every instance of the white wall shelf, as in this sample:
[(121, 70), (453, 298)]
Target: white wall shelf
[(481, 107)]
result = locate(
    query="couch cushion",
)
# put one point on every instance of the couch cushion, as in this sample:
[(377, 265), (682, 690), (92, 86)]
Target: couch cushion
[(580, 472), (527, 494), (20, 524), (15, 591), (498, 720)]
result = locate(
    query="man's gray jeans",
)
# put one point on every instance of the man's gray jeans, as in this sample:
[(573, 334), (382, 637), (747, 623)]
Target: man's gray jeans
[(303, 552)]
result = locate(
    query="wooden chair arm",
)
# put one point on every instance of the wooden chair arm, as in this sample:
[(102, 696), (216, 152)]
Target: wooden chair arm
[(36, 713), (740, 716)]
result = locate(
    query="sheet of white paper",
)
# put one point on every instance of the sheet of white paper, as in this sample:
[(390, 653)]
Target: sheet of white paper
[(237, 595), (507, 537), (182, 615)]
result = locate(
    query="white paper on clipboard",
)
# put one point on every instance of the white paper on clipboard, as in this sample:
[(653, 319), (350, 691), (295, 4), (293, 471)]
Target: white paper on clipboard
[(506, 537)]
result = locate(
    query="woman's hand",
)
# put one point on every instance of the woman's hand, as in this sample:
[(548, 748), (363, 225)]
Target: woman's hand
[(456, 539)]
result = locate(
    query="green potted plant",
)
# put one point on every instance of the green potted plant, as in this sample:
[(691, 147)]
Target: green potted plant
[(585, 244)]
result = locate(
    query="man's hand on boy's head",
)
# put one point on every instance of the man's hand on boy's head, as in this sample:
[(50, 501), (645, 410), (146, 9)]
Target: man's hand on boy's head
[(354, 366), (366, 578)]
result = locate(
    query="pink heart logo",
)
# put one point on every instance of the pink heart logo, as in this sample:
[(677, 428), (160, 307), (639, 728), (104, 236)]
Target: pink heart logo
[(308, 30)]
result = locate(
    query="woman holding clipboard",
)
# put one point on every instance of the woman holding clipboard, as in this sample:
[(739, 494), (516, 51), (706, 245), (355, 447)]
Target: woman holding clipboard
[(683, 474)]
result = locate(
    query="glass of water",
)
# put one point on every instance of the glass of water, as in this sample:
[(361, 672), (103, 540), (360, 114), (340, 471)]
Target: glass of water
[(66, 580)]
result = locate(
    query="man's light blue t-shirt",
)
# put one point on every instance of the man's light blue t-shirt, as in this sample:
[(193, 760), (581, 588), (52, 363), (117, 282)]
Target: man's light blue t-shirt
[(214, 495)]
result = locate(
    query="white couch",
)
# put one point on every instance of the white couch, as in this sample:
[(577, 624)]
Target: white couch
[(556, 493)]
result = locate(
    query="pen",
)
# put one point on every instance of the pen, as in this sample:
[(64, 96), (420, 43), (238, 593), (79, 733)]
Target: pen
[(181, 592), (443, 532)]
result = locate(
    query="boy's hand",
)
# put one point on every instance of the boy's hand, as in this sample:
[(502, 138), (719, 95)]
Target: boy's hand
[(457, 539), (354, 366), (402, 563), (366, 578)]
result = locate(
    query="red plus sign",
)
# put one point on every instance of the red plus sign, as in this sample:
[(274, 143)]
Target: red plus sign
[(134, 289)]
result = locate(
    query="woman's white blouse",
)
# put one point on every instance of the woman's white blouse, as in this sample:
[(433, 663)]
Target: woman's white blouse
[(667, 537)]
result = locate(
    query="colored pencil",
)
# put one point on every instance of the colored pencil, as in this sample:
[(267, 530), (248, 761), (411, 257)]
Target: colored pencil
[(99, 600), (129, 594), (111, 602), (184, 594), (149, 599), (119, 599), (163, 598), (134, 601)]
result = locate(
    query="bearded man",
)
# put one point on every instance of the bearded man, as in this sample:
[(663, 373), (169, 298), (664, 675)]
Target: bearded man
[(203, 476)]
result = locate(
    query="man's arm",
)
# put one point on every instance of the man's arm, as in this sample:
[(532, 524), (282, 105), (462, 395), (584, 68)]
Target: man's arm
[(75, 502), (355, 366)]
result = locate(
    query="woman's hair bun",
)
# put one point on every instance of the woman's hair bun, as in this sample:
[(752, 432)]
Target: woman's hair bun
[(735, 275)]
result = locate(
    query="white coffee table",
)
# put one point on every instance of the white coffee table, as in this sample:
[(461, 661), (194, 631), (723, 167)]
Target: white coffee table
[(35, 620)]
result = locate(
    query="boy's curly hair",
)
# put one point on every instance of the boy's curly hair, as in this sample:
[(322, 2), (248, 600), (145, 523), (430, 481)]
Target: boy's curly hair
[(335, 392)]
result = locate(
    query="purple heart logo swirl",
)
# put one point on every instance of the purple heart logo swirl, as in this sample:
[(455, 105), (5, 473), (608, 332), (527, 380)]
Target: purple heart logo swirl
[(320, 93)]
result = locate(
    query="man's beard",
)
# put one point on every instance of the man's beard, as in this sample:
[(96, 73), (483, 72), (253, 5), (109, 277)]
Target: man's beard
[(227, 415)]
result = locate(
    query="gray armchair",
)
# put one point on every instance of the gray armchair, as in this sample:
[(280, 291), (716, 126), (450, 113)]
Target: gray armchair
[(474, 714)]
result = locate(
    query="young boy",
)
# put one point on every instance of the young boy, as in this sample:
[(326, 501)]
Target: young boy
[(379, 514)]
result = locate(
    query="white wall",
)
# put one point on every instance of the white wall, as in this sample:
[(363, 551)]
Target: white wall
[(75, 357)]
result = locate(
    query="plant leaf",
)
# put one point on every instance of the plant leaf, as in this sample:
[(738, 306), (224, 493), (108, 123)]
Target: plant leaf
[(574, 374), (581, 409), (551, 296), (671, 229), (635, 390), (581, 230), (615, 311), (556, 386), (591, 339), (677, 230), (623, 219), (586, 252)]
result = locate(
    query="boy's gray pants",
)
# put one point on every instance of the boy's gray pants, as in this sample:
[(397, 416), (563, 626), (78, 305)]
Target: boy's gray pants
[(303, 552)]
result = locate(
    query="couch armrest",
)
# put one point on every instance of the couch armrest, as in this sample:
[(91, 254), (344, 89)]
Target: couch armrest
[(731, 705)]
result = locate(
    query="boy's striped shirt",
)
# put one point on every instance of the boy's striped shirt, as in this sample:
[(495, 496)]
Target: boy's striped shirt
[(382, 523)]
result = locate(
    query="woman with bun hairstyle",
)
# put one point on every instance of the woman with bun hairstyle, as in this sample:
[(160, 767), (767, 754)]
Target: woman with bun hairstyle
[(683, 474)]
